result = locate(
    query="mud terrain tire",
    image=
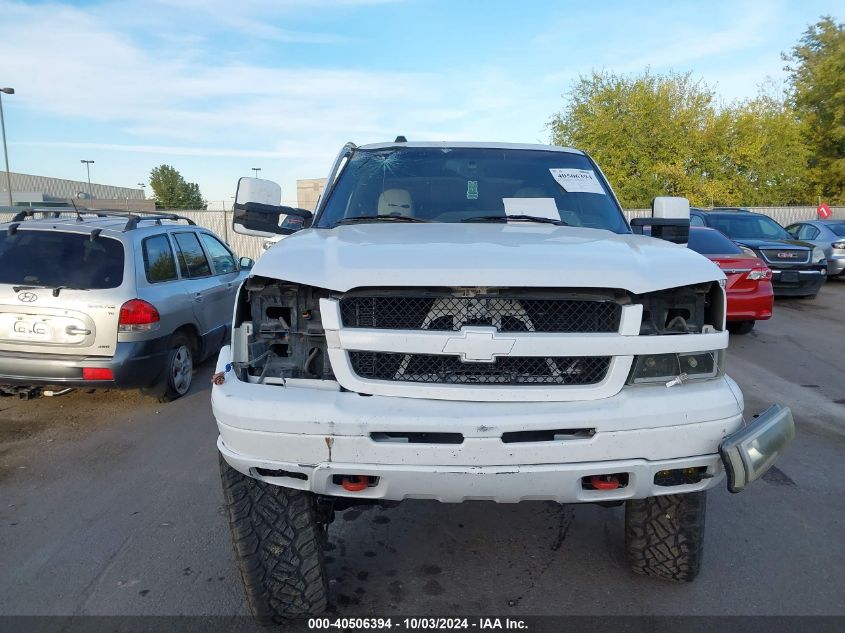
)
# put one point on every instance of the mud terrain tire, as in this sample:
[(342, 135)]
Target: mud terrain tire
[(664, 536), (278, 546)]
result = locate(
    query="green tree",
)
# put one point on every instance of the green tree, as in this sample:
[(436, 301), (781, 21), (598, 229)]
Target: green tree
[(817, 82), (191, 197), (761, 154), (172, 192), (647, 132), (659, 135)]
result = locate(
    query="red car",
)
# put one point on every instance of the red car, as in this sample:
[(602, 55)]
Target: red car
[(749, 289)]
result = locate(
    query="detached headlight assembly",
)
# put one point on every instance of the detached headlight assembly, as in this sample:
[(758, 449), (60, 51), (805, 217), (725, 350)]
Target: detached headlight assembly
[(677, 368), (818, 255)]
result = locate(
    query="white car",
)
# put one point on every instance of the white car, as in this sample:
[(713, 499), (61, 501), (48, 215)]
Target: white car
[(522, 344)]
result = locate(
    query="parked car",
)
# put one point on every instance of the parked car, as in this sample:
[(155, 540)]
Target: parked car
[(829, 235), (798, 268), (463, 321), (111, 300), (749, 279)]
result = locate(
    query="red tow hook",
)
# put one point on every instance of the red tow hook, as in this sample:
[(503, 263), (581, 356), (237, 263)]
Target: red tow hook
[(355, 483), (604, 482)]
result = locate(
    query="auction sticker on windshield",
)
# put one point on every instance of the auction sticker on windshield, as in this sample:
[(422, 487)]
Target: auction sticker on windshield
[(540, 207), (577, 180)]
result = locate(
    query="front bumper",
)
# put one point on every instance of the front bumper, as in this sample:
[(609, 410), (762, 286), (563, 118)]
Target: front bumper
[(563, 483), (304, 437), (134, 365), (752, 450)]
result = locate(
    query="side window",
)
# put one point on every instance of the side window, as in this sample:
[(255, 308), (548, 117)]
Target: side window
[(808, 232), (793, 230), (159, 263), (192, 260), (696, 220), (220, 255)]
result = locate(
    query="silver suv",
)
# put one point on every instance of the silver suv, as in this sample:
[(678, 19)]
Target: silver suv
[(111, 300)]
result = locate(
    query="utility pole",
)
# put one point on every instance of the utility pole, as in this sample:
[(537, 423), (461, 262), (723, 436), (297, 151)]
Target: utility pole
[(8, 91), (88, 164)]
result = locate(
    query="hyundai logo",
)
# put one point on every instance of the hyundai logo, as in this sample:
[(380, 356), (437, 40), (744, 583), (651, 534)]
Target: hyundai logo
[(27, 297)]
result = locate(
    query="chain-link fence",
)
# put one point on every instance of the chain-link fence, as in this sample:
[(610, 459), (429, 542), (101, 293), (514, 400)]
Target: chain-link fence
[(247, 246)]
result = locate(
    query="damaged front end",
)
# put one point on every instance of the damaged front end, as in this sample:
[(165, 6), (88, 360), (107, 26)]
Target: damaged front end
[(685, 310), (278, 333)]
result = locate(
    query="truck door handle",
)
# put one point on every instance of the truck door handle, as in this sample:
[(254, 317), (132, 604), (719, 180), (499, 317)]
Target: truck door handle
[(72, 329), (198, 297)]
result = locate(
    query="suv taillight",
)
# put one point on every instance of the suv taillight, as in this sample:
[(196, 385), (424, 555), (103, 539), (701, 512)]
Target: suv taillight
[(137, 315), (760, 274)]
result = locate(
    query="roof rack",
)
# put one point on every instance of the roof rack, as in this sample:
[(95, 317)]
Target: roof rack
[(132, 218), (52, 212)]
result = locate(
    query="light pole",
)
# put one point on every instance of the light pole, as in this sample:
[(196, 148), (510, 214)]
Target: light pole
[(256, 170), (88, 164), (143, 187), (8, 91)]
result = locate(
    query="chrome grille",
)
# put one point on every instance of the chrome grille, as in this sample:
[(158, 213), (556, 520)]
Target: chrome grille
[(510, 370), (505, 313), (786, 256)]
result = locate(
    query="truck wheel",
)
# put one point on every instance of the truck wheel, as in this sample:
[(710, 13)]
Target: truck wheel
[(664, 536), (278, 546), (741, 327)]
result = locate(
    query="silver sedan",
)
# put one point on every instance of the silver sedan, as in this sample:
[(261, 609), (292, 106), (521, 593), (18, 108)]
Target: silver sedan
[(828, 235)]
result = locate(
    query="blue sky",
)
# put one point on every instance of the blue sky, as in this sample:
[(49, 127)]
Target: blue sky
[(216, 88)]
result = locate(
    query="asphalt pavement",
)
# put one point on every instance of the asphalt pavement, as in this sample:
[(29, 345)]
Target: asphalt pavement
[(111, 504)]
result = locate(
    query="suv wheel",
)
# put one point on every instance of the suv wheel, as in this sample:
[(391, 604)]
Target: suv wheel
[(664, 536), (178, 370), (278, 542), (740, 327)]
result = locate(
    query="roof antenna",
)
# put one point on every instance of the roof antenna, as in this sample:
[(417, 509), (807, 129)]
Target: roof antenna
[(400, 139), (78, 215)]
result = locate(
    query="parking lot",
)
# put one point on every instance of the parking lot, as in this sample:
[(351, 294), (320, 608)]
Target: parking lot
[(110, 504)]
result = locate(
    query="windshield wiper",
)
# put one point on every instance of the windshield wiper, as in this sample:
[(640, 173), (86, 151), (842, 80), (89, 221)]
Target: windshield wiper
[(378, 218), (19, 288), (55, 290), (516, 218), (58, 289)]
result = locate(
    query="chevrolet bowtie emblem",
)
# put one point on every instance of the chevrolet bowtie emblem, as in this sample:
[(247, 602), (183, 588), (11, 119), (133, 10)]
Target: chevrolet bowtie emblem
[(479, 345)]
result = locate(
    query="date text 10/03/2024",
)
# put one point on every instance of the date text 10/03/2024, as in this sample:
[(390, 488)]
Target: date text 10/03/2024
[(435, 624)]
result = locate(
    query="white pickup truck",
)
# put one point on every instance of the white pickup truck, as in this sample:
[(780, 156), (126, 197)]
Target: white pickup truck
[(462, 321)]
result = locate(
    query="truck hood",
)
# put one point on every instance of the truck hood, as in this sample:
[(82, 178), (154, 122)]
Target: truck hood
[(493, 255)]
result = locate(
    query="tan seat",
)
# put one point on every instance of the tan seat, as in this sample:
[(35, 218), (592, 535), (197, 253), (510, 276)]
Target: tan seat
[(395, 202)]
